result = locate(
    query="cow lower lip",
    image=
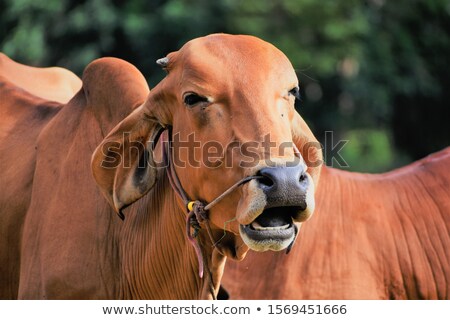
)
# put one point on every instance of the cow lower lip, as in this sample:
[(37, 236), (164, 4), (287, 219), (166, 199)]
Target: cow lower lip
[(272, 233)]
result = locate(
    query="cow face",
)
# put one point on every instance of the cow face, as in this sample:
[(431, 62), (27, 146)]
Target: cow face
[(230, 103)]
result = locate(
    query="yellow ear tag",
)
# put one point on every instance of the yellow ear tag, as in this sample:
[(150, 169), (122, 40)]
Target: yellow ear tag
[(190, 206)]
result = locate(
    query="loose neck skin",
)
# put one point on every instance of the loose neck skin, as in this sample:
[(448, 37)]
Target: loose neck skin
[(157, 260)]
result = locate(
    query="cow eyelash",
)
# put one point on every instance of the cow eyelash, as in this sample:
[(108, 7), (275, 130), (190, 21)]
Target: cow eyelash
[(191, 99), (295, 92)]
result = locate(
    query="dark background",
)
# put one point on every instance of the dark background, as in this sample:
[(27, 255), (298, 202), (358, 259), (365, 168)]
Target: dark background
[(374, 72)]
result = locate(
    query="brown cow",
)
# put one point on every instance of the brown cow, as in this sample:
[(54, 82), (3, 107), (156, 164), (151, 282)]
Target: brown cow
[(54, 84), (72, 246), (374, 236), (22, 117)]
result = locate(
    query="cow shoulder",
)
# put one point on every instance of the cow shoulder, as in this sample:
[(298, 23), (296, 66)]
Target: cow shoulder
[(113, 88)]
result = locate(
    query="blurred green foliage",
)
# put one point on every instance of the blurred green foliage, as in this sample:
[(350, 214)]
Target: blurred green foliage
[(372, 71)]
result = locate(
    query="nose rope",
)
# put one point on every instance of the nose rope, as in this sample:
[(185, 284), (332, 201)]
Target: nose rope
[(197, 211)]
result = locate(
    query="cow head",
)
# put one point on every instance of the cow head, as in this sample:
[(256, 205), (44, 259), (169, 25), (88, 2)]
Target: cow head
[(229, 101)]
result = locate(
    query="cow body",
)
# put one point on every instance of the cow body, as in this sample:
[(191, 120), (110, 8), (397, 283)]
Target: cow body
[(35, 135), (30, 98), (374, 236), (22, 117)]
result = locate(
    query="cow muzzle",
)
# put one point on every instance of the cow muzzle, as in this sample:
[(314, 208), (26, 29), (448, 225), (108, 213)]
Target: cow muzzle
[(282, 199)]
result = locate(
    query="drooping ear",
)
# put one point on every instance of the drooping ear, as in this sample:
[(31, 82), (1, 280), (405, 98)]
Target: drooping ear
[(309, 147), (123, 164)]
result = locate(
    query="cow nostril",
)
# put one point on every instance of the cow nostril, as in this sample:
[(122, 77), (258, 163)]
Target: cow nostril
[(303, 177), (266, 181)]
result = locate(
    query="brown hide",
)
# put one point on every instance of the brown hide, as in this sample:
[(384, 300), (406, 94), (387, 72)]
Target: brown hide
[(380, 236), (24, 112), (54, 84), (22, 117)]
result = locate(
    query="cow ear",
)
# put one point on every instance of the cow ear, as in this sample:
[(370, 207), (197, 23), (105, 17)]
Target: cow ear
[(309, 147), (123, 164)]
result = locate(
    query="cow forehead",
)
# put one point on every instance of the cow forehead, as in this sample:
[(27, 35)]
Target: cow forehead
[(222, 60)]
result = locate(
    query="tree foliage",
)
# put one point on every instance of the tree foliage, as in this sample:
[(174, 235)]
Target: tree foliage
[(372, 71)]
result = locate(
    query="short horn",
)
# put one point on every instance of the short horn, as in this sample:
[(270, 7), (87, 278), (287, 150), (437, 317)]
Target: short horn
[(163, 62)]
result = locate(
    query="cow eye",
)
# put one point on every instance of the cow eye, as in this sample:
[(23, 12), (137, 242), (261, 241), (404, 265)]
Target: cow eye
[(295, 92), (191, 99)]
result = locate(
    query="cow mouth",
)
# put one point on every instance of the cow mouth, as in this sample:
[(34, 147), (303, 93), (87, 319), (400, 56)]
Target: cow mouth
[(273, 229)]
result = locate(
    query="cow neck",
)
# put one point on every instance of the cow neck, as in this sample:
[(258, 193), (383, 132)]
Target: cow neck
[(197, 215), (157, 260)]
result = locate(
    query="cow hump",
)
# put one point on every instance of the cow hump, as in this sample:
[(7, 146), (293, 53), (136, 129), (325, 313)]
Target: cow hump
[(113, 88)]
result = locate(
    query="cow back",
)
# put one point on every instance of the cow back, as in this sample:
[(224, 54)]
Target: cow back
[(54, 83), (22, 117)]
